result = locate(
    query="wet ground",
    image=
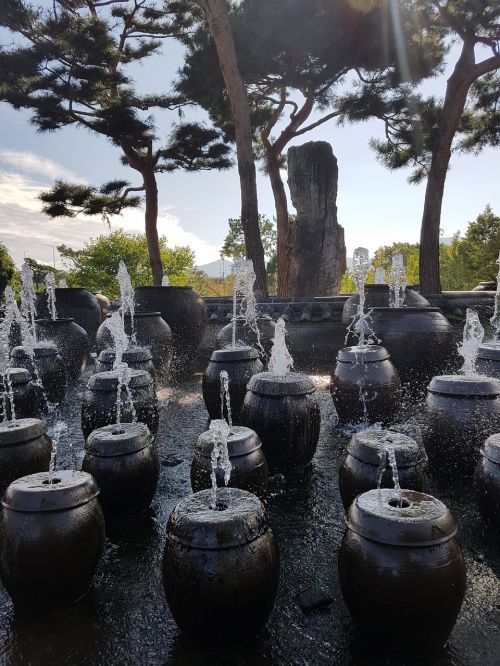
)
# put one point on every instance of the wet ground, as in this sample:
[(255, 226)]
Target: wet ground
[(125, 620)]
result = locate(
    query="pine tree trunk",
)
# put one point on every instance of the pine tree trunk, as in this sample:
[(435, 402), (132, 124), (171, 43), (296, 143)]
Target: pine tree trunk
[(281, 205), (457, 89), (218, 21), (151, 224)]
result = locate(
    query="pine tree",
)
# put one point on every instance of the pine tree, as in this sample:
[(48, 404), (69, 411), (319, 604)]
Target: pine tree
[(69, 66)]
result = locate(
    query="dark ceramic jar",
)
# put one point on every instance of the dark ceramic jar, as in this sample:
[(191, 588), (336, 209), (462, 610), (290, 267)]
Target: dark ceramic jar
[(366, 462), (461, 411), (71, 341), (249, 469), (488, 359), (74, 303), (47, 366), (51, 538), (365, 385), (184, 311), (420, 342), (100, 397), (124, 462), (28, 397), (245, 335), (487, 481), (220, 567), (240, 364), (402, 573), (285, 413), (104, 304), (377, 296), (24, 449), (139, 358), (151, 331)]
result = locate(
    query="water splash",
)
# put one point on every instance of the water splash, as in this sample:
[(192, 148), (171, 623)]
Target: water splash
[(127, 297), (61, 432), (165, 282), (220, 456), (472, 339), (13, 316), (387, 457), (359, 325), (50, 290), (116, 327), (391, 457), (495, 320), (123, 383), (244, 279), (281, 361), (225, 398), (8, 406), (397, 282), (28, 298), (62, 284), (380, 276)]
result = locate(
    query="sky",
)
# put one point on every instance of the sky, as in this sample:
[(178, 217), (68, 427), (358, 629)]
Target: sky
[(375, 206)]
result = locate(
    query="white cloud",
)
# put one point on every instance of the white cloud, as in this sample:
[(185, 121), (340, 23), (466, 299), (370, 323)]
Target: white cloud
[(27, 162), (27, 232)]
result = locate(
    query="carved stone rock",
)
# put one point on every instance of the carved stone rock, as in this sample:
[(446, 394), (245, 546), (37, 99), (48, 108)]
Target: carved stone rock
[(317, 256)]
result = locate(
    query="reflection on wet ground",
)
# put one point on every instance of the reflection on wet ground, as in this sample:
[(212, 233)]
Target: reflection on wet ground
[(125, 620)]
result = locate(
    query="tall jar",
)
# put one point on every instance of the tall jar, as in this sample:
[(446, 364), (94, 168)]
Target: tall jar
[(402, 573)]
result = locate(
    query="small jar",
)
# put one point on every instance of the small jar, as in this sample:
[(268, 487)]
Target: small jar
[(24, 449), (138, 401), (51, 538), (461, 411), (249, 469), (488, 359), (402, 573), (220, 567), (124, 462), (138, 358), (240, 364), (45, 365), (285, 414), (27, 397), (366, 463), (365, 385)]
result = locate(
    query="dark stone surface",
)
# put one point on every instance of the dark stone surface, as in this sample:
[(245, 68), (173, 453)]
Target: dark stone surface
[(317, 258), (125, 620)]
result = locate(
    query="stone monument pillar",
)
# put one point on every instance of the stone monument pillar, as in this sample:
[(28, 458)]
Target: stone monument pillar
[(316, 241)]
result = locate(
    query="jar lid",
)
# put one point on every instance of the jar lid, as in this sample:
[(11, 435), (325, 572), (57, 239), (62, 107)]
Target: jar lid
[(44, 349), (293, 383), (138, 315), (362, 354), (240, 520), (54, 322), (465, 385), (132, 355), (69, 488), (404, 310), (118, 439), (241, 442), (243, 353), (21, 431), (421, 521), (490, 351), (108, 380), (370, 445), (491, 448), (17, 376)]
